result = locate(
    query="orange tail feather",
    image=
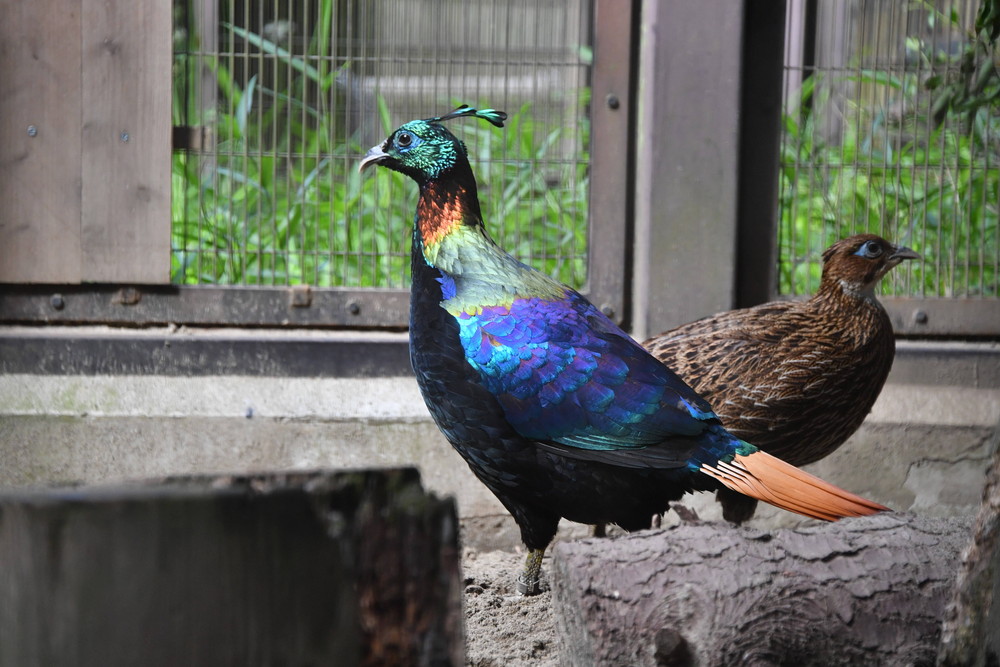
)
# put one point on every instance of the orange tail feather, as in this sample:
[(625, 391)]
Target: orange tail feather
[(764, 477)]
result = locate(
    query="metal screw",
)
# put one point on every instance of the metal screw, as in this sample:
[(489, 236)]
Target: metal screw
[(57, 301), (32, 131), (124, 137), (920, 317), (608, 309), (613, 101), (354, 308)]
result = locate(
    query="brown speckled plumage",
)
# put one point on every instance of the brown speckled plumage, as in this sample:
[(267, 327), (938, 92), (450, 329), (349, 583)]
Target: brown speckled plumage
[(795, 378)]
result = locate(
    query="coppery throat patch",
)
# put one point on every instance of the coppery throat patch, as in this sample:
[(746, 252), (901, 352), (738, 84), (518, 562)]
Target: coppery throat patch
[(438, 214)]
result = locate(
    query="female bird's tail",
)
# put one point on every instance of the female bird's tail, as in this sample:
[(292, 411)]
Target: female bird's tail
[(764, 477)]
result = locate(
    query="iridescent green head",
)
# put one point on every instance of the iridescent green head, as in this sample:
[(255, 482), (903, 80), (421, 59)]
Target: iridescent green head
[(423, 149)]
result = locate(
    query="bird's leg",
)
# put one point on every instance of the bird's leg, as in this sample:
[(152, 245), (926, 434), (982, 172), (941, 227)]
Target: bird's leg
[(527, 583)]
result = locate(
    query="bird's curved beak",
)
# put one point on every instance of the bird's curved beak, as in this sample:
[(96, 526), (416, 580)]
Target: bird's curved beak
[(374, 155), (901, 253)]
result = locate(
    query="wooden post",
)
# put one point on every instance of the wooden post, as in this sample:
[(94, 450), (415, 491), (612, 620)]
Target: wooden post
[(687, 151), (300, 569)]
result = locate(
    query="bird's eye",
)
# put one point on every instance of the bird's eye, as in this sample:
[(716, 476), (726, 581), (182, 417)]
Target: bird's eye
[(870, 249), (404, 140)]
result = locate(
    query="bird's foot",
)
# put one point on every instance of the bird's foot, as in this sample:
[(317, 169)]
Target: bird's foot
[(686, 514), (528, 582), (527, 588)]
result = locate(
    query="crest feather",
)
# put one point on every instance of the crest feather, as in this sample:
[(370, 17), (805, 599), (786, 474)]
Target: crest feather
[(492, 116)]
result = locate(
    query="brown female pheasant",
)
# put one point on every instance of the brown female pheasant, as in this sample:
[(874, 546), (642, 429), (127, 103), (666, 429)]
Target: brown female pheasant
[(796, 378)]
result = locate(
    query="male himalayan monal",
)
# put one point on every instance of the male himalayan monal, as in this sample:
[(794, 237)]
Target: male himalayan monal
[(554, 408)]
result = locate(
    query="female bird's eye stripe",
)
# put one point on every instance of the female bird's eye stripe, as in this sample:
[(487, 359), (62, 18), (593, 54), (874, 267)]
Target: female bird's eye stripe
[(870, 249)]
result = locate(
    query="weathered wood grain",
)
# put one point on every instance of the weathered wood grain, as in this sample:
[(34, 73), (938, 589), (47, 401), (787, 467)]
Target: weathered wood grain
[(85, 125), (126, 141), (356, 568), (858, 592), (970, 634), (40, 139)]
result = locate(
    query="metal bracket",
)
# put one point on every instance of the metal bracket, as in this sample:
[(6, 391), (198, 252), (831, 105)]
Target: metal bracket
[(127, 296), (300, 296)]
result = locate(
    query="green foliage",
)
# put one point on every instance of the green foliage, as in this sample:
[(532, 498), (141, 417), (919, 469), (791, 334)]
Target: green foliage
[(893, 163), (280, 201), (975, 83)]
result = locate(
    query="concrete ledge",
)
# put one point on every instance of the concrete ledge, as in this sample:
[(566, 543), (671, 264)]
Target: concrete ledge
[(391, 398), (318, 353), (923, 447), (41, 450)]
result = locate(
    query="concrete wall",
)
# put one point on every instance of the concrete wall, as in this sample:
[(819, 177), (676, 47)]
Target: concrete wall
[(923, 448)]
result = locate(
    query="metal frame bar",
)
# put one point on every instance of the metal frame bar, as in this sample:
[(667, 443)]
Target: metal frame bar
[(613, 110), (301, 307), (944, 317), (202, 352), (759, 150), (297, 306), (164, 351)]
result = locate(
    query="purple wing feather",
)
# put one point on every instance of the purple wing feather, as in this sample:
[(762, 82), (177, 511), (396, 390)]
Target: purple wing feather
[(565, 373)]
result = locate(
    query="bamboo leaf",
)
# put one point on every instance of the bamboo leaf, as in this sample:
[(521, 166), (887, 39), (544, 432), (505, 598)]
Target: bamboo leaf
[(245, 105), (267, 46)]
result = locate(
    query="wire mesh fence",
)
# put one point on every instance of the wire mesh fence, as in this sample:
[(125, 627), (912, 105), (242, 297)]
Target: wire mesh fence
[(284, 96), (891, 127)]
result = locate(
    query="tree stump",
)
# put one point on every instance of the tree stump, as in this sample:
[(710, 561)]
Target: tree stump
[(970, 635), (351, 568), (868, 591)]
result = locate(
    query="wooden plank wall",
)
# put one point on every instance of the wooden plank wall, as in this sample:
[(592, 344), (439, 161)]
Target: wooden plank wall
[(39, 141), (85, 194)]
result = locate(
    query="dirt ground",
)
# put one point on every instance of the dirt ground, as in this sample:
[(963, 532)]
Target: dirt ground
[(501, 627)]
